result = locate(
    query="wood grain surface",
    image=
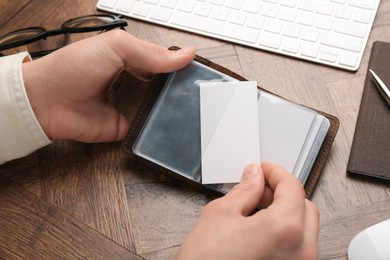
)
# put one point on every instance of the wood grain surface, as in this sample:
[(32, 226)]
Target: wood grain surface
[(74, 200)]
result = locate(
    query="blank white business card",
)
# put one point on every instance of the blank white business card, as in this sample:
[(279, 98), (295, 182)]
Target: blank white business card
[(229, 130)]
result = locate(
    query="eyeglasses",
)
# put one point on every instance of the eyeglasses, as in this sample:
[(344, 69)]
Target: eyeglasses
[(88, 23)]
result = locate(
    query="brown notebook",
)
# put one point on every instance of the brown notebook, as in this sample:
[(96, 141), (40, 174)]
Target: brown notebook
[(187, 134), (370, 151)]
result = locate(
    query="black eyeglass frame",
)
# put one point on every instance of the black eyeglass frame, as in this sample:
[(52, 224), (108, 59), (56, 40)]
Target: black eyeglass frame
[(67, 27)]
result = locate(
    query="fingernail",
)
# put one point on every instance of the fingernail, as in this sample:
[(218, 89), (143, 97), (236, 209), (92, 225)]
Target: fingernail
[(184, 50), (249, 171)]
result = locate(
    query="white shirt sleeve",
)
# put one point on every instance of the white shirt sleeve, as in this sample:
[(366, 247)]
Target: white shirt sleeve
[(20, 132)]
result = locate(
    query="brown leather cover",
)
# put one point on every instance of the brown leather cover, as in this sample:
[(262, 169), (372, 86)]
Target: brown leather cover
[(370, 151), (120, 95)]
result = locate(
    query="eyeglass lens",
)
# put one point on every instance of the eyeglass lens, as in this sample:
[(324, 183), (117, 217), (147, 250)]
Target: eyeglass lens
[(21, 35), (89, 21)]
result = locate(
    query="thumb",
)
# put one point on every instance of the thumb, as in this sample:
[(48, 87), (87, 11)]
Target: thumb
[(246, 195), (141, 55), (161, 60)]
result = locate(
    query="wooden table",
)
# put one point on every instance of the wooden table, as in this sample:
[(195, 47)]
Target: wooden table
[(76, 200)]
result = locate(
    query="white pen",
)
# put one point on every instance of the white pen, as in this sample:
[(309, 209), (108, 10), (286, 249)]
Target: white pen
[(385, 92)]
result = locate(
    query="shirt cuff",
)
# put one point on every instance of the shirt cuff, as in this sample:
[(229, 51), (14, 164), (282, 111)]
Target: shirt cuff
[(20, 131)]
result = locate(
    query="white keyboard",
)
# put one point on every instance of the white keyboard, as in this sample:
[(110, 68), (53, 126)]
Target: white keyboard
[(331, 32)]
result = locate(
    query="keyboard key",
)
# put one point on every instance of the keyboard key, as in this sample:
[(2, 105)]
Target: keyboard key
[(341, 41), (255, 22), (348, 59), (324, 22), (350, 28), (309, 34), (186, 6), (154, 2), (269, 10), (168, 3), (325, 8), (289, 3), (306, 18), (141, 9), (202, 10), (252, 6), (292, 30), (220, 13), (237, 18), (339, 1), (362, 16), (329, 54), (309, 50), (366, 4), (287, 14), (161, 14), (234, 4), (217, 2), (291, 45), (235, 32), (107, 3), (270, 40), (273, 26), (307, 5), (124, 5), (344, 12)]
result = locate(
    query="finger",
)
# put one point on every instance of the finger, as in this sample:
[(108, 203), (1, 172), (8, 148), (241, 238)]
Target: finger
[(246, 195), (146, 56), (286, 187), (106, 126), (267, 198), (161, 60), (141, 74), (311, 228), (123, 128)]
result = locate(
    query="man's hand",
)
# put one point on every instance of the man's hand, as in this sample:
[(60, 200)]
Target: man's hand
[(67, 89), (286, 227)]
